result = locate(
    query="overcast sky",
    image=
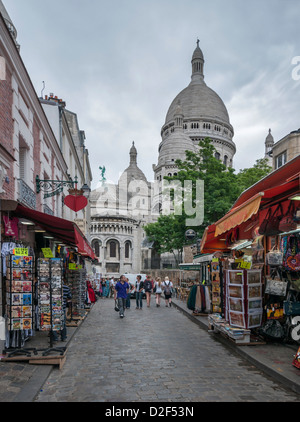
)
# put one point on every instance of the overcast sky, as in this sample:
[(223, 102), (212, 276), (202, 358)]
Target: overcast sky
[(119, 64)]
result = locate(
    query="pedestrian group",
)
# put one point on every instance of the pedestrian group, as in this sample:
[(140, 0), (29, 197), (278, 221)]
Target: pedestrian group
[(123, 290)]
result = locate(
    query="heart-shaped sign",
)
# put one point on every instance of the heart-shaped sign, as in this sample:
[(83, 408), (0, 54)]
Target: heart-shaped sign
[(76, 202)]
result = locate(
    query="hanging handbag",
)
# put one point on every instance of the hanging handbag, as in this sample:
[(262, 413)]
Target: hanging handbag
[(270, 225), (275, 285), (116, 306), (294, 279), (274, 310), (273, 330), (287, 223), (274, 257), (291, 261), (291, 308)]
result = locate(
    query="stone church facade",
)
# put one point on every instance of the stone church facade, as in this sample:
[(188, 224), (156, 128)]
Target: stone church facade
[(117, 217)]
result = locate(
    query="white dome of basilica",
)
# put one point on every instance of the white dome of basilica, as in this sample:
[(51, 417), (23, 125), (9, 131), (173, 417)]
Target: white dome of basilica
[(171, 149), (196, 113), (133, 172), (198, 101)]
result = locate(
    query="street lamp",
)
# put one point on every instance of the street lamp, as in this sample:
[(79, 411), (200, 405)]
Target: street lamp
[(56, 186), (86, 190)]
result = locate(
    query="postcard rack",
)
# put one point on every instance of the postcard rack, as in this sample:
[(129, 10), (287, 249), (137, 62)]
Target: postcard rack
[(244, 298), (19, 299), (76, 280), (50, 298)]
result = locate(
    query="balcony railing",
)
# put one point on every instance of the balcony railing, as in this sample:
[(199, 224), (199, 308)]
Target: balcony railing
[(48, 210), (26, 195)]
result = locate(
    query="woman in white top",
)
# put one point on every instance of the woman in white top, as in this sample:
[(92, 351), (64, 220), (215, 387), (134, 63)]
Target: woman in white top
[(158, 291), (167, 288)]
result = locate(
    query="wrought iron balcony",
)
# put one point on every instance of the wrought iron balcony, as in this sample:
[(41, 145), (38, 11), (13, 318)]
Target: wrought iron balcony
[(26, 195), (48, 210)]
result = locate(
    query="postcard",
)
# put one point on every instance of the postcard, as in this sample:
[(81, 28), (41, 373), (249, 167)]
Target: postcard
[(27, 299), (16, 299), (27, 311), (27, 324)]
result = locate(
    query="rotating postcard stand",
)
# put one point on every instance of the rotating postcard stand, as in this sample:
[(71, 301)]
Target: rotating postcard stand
[(19, 303), (50, 299), (76, 282)]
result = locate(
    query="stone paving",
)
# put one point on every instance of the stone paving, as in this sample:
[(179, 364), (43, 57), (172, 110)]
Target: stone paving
[(153, 355)]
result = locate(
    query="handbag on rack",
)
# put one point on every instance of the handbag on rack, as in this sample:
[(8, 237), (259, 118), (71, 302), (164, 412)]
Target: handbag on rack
[(273, 330), (270, 225), (294, 279), (275, 310), (291, 261), (291, 308), (287, 223), (274, 257), (275, 285)]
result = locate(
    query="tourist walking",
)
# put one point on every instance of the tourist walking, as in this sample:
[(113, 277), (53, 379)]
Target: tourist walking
[(121, 291), (107, 283), (131, 290), (158, 290), (148, 285), (102, 287), (139, 288), (167, 289), (112, 286)]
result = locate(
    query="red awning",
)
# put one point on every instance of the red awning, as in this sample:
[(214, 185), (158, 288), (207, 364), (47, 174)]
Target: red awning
[(238, 215), (287, 173), (62, 229), (275, 188), (210, 243)]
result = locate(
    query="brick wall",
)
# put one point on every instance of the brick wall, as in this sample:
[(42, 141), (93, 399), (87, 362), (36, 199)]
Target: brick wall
[(6, 132), (37, 160)]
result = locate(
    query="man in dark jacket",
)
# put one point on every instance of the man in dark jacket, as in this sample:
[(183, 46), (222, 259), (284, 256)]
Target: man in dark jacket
[(121, 291), (139, 287)]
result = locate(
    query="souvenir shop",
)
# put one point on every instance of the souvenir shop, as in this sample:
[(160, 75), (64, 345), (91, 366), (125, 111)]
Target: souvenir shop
[(197, 288), (255, 278), (39, 254)]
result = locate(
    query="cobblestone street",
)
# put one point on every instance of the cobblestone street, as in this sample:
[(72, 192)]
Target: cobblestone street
[(153, 355)]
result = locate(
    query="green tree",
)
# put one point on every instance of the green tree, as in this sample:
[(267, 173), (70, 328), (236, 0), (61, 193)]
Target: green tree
[(222, 187), (249, 176), (168, 235)]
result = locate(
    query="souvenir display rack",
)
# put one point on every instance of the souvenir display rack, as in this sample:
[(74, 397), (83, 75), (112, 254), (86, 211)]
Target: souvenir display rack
[(50, 298), (76, 281), (216, 286), (19, 297), (243, 302)]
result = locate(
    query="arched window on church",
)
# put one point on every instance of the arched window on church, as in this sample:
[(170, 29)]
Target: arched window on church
[(96, 248), (225, 160), (113, 249), (217, 155), (127, 249)]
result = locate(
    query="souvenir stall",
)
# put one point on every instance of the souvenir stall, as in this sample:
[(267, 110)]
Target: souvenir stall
[(35, 257), (19, 300), (260, 293), (76, 281)]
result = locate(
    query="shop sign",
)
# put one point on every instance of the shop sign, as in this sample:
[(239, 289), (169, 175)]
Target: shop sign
[(20, 251), (47, 252), (246, 265), (73, 266), (243, 264)]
